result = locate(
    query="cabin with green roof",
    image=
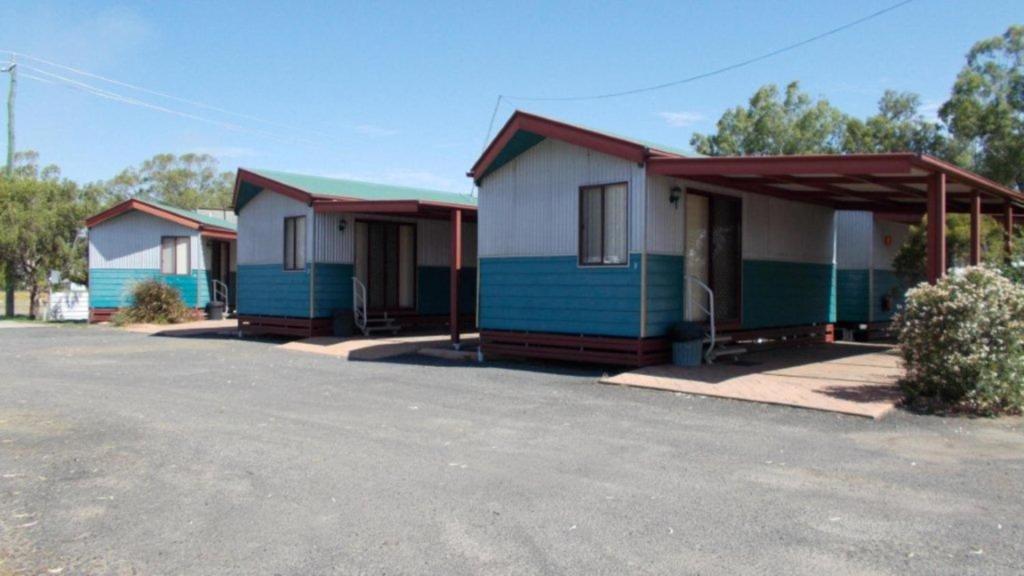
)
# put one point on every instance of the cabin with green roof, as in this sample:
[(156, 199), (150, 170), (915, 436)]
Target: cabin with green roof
[(141, 238), (320, 256)]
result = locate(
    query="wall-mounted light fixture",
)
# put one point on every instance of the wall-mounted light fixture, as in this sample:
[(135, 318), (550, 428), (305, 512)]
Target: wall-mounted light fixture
[(341, 225), (674, 195)]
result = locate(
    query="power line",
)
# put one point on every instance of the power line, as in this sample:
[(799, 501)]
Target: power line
[(716, 71), (158, 93), (114, 96)]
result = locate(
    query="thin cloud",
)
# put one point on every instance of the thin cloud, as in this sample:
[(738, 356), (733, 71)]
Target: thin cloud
[(228, 152), (681, 119), (375, 131), (930, 108)]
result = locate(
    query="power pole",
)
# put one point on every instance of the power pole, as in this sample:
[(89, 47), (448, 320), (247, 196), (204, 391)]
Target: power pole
[(11, 69), (10, 280)]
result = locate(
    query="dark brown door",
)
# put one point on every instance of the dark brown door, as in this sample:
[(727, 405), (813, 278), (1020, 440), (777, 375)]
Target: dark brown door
[(726, 256), (388, 265)]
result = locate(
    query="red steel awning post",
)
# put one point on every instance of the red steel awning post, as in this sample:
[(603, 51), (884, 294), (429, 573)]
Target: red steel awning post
[(936, 227), (975, 228), (455, 269), (1008, 231)]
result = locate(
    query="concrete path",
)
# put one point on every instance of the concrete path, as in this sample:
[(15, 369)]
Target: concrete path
[(848, 378), (363, 348)]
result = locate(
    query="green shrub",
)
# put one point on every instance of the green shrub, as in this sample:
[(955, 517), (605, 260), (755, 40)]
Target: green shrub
[(153, 302), (962, 341)]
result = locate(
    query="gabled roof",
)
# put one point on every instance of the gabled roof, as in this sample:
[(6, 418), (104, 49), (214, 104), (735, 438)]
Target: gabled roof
[(315, 189), (892, 182), (525, 130), (186, 218)]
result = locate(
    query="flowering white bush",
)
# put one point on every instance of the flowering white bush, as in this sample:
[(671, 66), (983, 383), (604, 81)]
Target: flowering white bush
[(963, 341)]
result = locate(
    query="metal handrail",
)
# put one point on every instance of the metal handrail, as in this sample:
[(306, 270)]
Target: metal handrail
[(359, 303), (710, 311), (220, 292)]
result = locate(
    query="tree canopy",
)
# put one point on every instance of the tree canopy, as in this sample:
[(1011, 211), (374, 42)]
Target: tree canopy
[(41, 225), (776, 123), (987, 106), (187, 181), (793, 122), (981, 128)]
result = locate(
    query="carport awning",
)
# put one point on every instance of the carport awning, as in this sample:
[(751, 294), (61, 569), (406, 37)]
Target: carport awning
[(886, 183), (407, 208)]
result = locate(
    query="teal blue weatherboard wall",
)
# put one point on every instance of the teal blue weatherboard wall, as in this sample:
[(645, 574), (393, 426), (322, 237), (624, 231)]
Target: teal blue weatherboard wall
[(555, 294), (886, 282), (854, 299), (269, 290), (787, 293), (111, 287), (333, 287), (852, 295), (665, 290), (432, 290)]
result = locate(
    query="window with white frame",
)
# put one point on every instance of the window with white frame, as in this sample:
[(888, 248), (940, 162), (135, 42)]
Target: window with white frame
[(295, 243), (604, 237), (174, 255)]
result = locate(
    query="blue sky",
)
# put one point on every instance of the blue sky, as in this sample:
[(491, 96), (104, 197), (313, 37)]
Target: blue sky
[(402, 93)]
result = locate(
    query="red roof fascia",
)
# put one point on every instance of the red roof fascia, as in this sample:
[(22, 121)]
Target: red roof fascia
[(136, 204), (385, 206), (266, 183), (969, 178), (524, 121), (218, 233), (785, 165)]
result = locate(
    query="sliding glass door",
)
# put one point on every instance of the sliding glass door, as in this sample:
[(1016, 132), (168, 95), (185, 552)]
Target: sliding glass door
[(714, 255), (386, 264)]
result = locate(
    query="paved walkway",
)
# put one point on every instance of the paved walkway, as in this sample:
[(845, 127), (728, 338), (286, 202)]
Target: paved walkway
[(857, 379), (363, 348)]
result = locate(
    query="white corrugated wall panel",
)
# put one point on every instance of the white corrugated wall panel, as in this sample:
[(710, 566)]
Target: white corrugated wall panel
[(334, 246), (132, 241), (665, 222), (261, 228), (433, 243), (853, 239), (785, 231), (782, 230), (470, 234), (530, 206), (897, 232)]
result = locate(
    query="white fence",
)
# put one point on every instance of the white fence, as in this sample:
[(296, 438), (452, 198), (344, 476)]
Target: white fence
[(72, 304)]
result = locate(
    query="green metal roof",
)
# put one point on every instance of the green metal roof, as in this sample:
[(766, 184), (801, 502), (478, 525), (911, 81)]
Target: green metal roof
[(202, 218), (336, 187)]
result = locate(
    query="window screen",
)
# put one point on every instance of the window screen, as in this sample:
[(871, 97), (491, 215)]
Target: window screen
[(604, 225), (295, 243), (174, 256)]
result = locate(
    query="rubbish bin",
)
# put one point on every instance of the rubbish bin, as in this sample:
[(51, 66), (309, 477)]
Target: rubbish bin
[(342, 323), (215, 311), (687, 353), (687, 344)]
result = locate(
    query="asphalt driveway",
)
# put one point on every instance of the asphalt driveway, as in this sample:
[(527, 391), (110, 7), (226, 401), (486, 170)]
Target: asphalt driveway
[(129, 454)]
